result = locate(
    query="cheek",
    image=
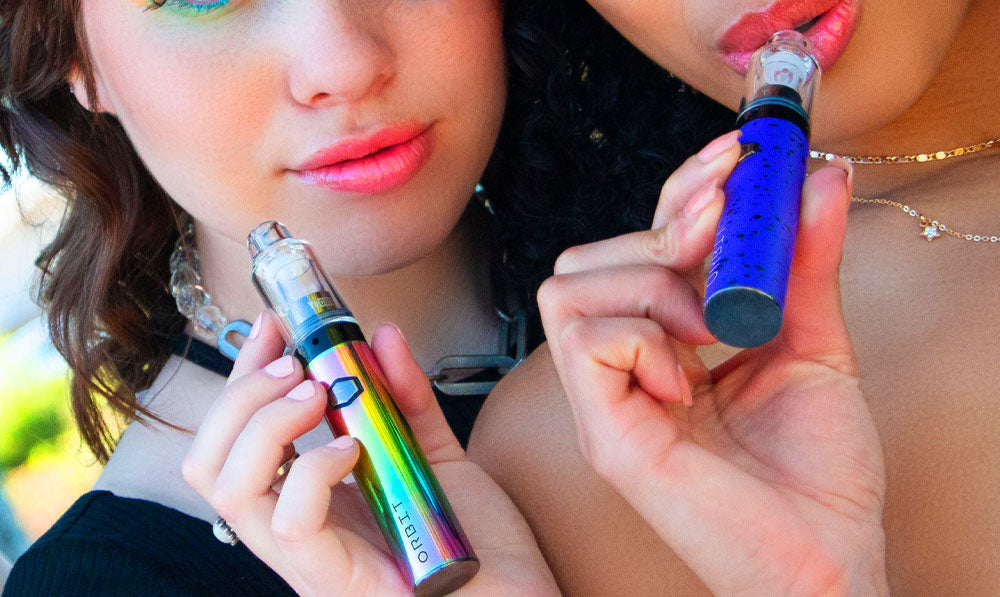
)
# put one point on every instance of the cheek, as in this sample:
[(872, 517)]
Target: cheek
[(192, 116)]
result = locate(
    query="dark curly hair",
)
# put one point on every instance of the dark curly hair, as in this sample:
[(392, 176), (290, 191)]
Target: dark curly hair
[(592, 128)]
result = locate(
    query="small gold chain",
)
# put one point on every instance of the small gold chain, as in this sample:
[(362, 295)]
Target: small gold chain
[(906, 159), (932, 228)]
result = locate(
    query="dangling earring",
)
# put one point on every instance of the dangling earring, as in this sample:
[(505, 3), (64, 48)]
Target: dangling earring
[(482, 197)]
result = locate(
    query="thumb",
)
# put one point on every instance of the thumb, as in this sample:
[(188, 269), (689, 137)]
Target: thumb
[(814, 321), (413, 395)]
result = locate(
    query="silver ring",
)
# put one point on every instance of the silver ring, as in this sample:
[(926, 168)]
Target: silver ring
[(284, 468), (223, 532)]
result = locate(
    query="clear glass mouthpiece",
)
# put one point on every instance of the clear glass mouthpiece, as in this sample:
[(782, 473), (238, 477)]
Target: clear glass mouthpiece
[(289, 277), (783, 70)]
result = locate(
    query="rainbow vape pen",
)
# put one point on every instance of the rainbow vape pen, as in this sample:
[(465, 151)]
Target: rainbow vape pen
[(392, 471), (748, 276)]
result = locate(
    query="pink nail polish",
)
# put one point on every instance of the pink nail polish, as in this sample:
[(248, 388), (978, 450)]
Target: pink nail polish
[(344, 442), (303, 391), (255, 330), (702, 198), (283, 367), (718, 147)]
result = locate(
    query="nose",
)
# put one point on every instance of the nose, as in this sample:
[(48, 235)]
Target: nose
[(336, 53)]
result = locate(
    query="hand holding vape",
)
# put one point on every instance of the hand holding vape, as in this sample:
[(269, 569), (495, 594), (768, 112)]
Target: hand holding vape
[(748, 277), (392, 472)]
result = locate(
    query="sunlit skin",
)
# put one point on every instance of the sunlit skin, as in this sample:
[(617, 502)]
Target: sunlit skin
[(224, 102), (916, 77)]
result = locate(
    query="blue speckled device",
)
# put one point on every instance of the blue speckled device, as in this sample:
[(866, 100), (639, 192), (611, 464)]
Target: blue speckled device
[(748, 277)]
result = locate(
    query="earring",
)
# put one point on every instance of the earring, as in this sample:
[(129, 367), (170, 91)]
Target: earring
[(482, 197)]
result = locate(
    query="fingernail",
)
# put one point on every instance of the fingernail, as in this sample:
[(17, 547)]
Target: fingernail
[(685, 387), (283, 367), (398, 331), (344, 442), (847, 167), (702, 198), (303, 391), (718, 147), (255, 330)]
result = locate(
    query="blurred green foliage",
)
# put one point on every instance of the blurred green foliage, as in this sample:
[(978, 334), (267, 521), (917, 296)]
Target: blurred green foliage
[(34, 401)]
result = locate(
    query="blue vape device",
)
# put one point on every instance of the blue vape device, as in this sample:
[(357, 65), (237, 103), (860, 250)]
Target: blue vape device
[(748, 276)]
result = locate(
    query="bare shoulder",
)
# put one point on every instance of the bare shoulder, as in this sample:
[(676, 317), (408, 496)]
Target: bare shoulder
[(595, 543)]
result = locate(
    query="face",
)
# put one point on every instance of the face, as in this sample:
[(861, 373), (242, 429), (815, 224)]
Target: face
[(878, 56), (363, 125)]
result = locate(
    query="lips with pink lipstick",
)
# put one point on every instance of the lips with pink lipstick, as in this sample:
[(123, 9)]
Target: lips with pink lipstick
[(377, 163), (827, 24)]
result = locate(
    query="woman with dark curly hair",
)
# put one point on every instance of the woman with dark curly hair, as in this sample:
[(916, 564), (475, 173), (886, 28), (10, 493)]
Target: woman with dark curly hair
[(173, 128)]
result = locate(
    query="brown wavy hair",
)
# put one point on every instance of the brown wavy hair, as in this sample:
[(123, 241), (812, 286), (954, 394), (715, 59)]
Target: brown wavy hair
[(103, 279), (589, 118)]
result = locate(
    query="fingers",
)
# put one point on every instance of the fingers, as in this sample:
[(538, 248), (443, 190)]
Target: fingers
[(715, 161), (684, 225), (408, 385), (262, 446), (602, 361), (635, 291), (263, 345), (813, 320), (300, 522), (231, 412), (681, 244)]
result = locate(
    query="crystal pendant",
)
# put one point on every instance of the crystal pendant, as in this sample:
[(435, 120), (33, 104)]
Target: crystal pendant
[(184, 255), (190, 298), (183, 276), (210, 319), (931, 231)]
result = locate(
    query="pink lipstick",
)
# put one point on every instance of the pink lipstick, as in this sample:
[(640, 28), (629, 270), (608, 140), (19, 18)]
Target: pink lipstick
[(827, 24), (380, 162)]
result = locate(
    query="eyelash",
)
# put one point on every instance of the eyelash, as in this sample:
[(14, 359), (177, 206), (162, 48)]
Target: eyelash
[(187, 7)]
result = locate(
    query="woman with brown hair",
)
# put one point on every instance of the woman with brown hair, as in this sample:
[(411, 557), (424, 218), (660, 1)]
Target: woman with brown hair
[(173, 128)]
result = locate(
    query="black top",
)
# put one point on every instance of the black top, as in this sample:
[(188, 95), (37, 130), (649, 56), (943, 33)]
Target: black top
[(106, 545), (109, 545)]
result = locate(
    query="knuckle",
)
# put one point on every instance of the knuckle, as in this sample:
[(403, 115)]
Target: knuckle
[(659, 245), (550, 292), (192, 474), (224, 502), (288, 529), (263, 424), (649, 332), (576, 336), (567, 260), (309, 465)]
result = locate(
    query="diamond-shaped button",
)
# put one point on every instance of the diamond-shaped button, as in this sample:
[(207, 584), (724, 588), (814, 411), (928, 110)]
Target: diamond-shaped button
[(344, 391)]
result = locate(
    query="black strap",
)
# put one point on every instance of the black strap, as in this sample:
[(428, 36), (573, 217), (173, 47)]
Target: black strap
[(201, 354)]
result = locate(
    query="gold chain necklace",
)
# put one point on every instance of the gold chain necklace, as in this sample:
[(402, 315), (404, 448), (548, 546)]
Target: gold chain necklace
[(932, 229), (906, 159)]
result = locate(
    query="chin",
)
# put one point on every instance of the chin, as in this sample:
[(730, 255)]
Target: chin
[(366, 259)]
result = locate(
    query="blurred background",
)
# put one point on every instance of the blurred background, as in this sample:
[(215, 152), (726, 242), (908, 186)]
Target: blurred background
[(44, 466)]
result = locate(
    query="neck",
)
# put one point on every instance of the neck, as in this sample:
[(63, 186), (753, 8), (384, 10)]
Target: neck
[(957, 109), (442, 302)]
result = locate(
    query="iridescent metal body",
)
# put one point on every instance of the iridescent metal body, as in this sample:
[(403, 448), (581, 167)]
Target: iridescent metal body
[(392, 472)]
